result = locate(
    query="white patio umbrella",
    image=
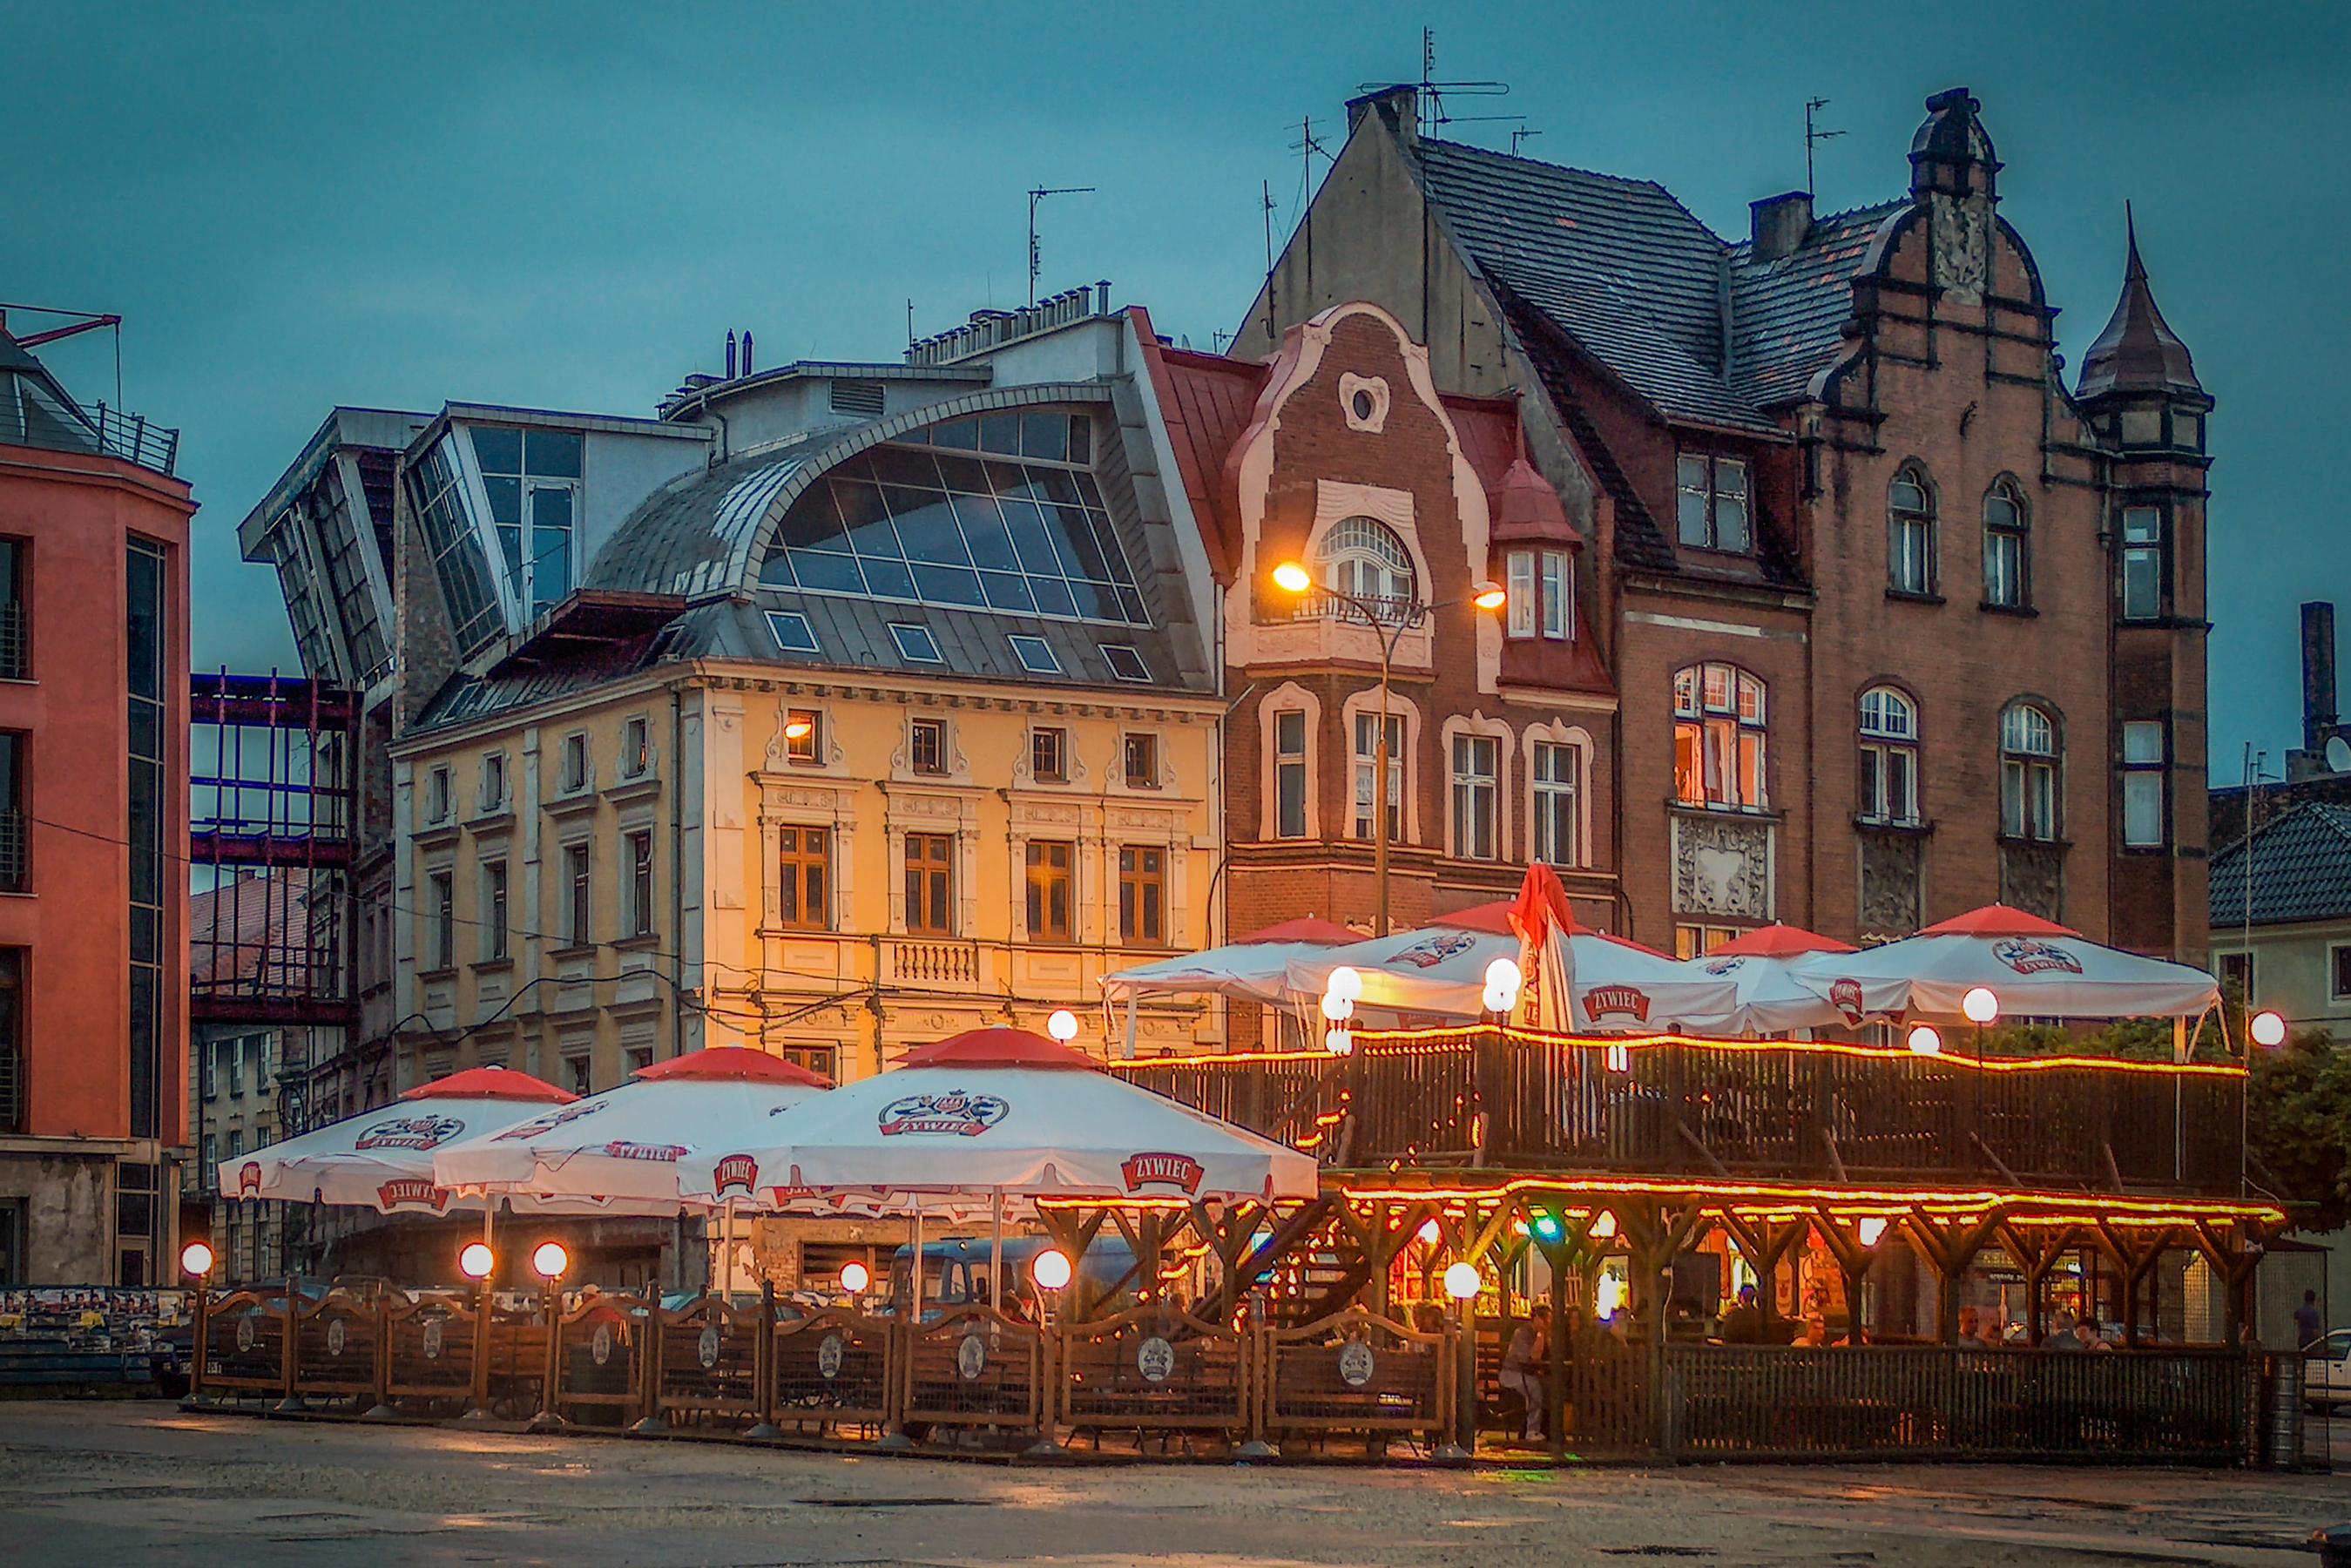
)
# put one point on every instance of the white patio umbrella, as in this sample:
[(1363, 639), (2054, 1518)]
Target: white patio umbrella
[(2034, 967), (1248, 969), (1618, 986), (622, 1147), (382, 1159), (1772, 997)]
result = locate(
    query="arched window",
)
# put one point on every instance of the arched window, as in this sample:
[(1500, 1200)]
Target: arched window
[(1719, 734), (1890, 758), (1910, 532), (2007, 563), (2028, 773), (1365, 559)]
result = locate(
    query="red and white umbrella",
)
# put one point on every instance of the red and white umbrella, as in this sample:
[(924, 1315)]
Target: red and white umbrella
[(989, 1113), (1618, 986), (1772, 995), (621, 1149), (382, 1159), (2033, 969)]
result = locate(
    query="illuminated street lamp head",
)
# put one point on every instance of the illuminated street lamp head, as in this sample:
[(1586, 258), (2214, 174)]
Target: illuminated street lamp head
[(1345, 981), (1980, 1005), (475, 1260), (1051, 1268), (1925, 1040), (2268, 1029), (550, 1259), (1461, 1280), (1291, 578), (854, 1277), (1489, 596), (1062, 1026), (196, 1259)]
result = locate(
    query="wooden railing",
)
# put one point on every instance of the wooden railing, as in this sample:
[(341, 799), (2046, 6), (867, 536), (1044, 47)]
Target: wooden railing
[(1510, 1100)]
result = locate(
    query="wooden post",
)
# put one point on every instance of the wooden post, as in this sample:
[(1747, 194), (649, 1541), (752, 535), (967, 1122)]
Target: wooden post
[(763, 1365), (290, 1344), (203, 1349), (1555, 1374)]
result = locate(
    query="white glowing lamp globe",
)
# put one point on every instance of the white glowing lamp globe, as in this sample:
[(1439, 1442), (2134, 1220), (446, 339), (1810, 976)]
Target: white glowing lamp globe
[(1925, 1039), (1461, 1280), (550, 1259), (1497, 1000), (475, 1260), (1336, 1007), (2267, 1028), (855, 1277), (1504, 975), (1871, 1230), (196, 1259), (1980, 1006), (1339, 1039), (1345, 981), (1429, 1232), (1062, 1026), (1051, 1270)]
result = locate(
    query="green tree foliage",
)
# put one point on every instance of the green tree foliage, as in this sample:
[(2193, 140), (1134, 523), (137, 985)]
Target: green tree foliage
[(2298, 1127)]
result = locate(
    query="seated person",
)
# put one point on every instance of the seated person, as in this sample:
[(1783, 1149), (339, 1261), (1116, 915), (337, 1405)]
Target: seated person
[(1744, 1323), (1816, 1335)]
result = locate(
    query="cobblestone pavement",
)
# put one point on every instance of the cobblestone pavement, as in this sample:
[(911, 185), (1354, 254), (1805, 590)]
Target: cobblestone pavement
[(100, 1483)]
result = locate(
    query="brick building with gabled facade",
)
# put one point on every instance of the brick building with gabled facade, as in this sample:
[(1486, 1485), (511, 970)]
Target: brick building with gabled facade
[(1900, 625)]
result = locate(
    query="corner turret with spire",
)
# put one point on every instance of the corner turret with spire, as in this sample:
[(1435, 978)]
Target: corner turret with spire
[(2138, 380)]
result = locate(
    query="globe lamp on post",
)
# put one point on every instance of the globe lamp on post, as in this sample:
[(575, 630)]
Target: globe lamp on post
[(2267, 1028), (1062, 1026), (1462, 1283)]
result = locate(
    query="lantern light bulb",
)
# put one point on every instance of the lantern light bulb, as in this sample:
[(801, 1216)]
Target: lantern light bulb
[(1345, 981), (855, 1277), (196, 1259), (1062, 1026), (1925, 1040), (2268, 1028), (1337, 1009), (1980, 1006), (475, 1260), (1339, 1041), (1292, 578), (1051, 1270), (1461, 1280), (1489, 596), (550, 1259)]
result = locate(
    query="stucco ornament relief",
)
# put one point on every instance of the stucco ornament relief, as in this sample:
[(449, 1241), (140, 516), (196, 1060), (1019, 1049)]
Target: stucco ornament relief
[(1961, 239), (1363, 399), (1722, 866)]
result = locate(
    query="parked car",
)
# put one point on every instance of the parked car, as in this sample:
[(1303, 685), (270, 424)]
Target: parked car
[(2326, 1376)]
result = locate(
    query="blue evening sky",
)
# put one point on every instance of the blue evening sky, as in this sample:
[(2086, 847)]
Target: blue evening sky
[(297, 205)]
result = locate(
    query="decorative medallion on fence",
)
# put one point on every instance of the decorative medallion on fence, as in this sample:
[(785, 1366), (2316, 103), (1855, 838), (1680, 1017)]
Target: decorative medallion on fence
[(706, 1350), (957, 1112), (433, 1333), (829, 1353), (409, 1132), (1356, 1363), (2031, 956), (971, 1357), (244, 1331), (334, 1337), (600, 1344), (1155, 1359), (1181, 1172)]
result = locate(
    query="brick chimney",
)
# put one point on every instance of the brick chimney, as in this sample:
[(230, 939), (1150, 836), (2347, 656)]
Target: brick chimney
[(1781, 224), (2318, 713), (1398, 106)]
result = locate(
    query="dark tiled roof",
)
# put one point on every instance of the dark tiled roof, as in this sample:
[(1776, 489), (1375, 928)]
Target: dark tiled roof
[(1785, 313), (1640, 542), (1688, 321), (2301, 870)]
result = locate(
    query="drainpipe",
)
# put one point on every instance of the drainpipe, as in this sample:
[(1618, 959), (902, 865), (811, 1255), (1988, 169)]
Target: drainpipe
[(677, 863)]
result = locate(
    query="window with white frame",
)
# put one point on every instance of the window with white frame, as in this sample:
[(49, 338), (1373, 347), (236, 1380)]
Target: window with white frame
[(1718, 735), (1541, 585), (1910, 533), (1890, 758), (2143, 563), (1557, 782), (1476, 791), (2143, 771), (2028, 773), (1289, 774), (1364, 560), (2007, 563), (1712, 504), (532, 480), (1366, 731)]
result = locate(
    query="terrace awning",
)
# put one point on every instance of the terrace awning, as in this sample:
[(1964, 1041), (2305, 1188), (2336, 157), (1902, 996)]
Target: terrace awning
[(1772, 995), (1247, 969)]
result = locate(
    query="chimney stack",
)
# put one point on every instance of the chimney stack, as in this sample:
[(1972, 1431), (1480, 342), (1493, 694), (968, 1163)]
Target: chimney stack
[(1781, 224), (2318, 714), (1398, 106)]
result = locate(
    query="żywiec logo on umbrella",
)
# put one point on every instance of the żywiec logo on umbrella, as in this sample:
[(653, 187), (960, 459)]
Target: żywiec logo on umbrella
[(412, 1192), (409, 1132), (735, 1173), (1181, 1172), (1844, 995), (248, 1179), (2031, 956), (552, 1119), (957, 1112), (1615, 1002), (1429, 952), (1720, 967), (663, 1154)]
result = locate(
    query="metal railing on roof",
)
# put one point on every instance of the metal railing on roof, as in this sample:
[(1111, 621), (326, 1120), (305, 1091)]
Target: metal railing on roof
[(993, 328), (129, 436)]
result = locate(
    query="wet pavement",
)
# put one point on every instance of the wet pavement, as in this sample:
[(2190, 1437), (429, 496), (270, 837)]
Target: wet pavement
[(92, 1483)]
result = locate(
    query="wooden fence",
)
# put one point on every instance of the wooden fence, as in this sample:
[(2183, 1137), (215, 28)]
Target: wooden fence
[(1352, 1380)]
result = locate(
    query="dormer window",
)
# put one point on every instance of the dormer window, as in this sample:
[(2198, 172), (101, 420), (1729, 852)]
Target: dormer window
[(1712, 503), (1541, 586)]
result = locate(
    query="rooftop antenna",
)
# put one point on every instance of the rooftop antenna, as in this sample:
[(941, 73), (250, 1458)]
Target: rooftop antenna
[(1036, 194), (1431, 91), (1518, 135), (1812, 138), (910, 320)]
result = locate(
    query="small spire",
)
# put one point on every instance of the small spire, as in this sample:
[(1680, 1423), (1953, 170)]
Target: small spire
[(2134, 269), (2139, 351)]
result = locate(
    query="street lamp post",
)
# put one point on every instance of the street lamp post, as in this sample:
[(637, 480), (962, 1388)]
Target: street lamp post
[(1292, 578)]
